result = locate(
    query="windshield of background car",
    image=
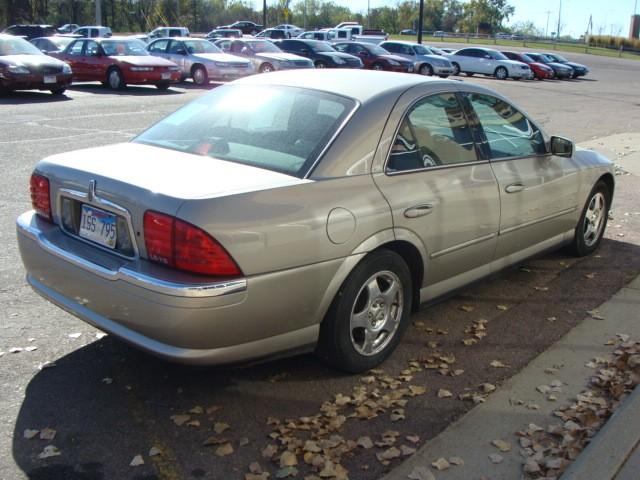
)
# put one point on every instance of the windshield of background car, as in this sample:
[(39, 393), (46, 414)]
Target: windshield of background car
[(437, 51), (497, 55), (560, 58), (420, 50), (319, 46), (526, 58), (547, 58), (278, 128), (201, 46), (17, 46), (376, 50), (264, 47), (116, 48), (61, 42)]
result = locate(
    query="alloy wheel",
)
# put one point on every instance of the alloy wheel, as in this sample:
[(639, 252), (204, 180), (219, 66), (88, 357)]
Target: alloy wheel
[(594, 219)]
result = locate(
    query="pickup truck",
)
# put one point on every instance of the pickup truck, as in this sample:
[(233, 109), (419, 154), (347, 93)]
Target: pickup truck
[(358, 33), (247, 27)]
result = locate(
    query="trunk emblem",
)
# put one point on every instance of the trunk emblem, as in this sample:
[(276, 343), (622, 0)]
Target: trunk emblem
[(92, 191)]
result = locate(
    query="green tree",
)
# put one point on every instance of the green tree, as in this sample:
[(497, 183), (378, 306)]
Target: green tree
[(485, 14)]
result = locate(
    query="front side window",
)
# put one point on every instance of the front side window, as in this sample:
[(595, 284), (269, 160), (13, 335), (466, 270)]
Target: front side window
[(433, 133), (76, 48), (508, 132), (261, 126)]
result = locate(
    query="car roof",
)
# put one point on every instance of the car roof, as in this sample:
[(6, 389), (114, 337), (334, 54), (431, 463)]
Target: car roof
[(361, 85), (404, 42)]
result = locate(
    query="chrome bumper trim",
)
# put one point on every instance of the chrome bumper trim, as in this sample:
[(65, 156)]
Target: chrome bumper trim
[(24, 225)]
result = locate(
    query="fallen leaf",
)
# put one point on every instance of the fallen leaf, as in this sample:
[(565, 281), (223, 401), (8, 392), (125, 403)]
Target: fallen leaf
[(421, 473), (397, 414), (100, 335), (269, 451), (197, 410), (456, 461), (212, 409), (288, 459), (365, 442), (29, 433), (389, 454), (193, 423), (49, 451), (469, 341), (214, 441), (137, 461), (154, 451), (502, 307), (243, 441), (180, 419), (487, 387), (47, 364), (501, 445), (30, 348), (441, 464), (74, 335), (16, 350), (497, 364), (224, 450), (595, 314), (107, 380), (311, 446), (444, 393), (220, 427), (287, 472), (466, 308), (496, 458), (590, 275), (413, 438), (47, 434), (416, 390), (407, 450)]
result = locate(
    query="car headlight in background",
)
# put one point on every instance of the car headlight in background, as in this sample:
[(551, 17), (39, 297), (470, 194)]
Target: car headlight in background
[(18, 70), (142, 69), (221, 64), (66, 69)]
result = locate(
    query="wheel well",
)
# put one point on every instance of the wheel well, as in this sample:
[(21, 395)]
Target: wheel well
[(607, 178), (415, 263)]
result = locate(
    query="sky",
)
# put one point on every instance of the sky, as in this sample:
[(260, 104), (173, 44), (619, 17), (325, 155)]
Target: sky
[(609, 16)]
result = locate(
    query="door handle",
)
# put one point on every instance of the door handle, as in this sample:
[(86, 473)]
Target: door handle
[(514, 187), (418, 210)]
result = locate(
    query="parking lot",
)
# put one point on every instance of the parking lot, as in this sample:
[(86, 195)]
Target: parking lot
[(109, 403)]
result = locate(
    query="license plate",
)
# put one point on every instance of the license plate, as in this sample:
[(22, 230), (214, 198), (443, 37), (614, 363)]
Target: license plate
[(98, 226), (166, 76), (50, 79)]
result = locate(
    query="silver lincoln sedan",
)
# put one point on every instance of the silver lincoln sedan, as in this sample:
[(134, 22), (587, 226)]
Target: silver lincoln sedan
[(304, 211), (200, 59)]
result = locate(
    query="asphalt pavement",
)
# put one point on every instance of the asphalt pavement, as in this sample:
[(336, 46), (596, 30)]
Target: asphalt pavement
[(109, 403)]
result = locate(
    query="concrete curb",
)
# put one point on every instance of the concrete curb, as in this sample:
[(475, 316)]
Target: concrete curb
[(606, 454)]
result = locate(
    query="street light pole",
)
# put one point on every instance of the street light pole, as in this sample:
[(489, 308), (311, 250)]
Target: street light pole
[(559, 13), (98, 12), (420, 21), (264, 13)]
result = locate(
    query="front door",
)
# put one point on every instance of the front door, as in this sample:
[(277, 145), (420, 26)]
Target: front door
[(538, 191), (96, 63), (438, 189)]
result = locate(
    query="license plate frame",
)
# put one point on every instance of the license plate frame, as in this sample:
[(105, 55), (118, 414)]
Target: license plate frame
[(50, 79), (98, 226)]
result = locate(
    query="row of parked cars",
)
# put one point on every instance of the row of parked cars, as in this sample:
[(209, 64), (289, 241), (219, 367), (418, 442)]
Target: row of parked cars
[(118, 61)]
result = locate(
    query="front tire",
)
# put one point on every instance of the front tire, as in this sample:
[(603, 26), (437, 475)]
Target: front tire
[(163, 86), (456, 68), (378, 66), (320, 64), (266, 68), (115, 80), (199, 75), (369, 314), (426, 70), (501, 73), (593, 221)]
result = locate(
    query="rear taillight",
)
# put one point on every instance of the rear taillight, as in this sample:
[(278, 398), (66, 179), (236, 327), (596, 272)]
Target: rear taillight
[(40, 195), (179, 244)]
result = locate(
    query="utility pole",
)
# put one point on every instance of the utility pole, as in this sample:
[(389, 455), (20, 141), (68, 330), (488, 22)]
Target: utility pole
[(305, 14), (98, 12), (420, 21), (368, 13), (559, 14), (264, 13), (546, 31)]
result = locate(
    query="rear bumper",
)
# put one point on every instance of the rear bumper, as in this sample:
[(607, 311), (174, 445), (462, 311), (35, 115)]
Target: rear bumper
[(34, 82), (187, 322)]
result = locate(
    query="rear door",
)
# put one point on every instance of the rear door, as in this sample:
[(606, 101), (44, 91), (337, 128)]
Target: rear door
[(177, 53), (538, 191), (439, 190)]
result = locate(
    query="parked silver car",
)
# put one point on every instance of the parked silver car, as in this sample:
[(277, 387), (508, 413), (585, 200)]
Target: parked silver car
[(304, 211), (264, 55), (425, 62), (487, 61), (200, 59)]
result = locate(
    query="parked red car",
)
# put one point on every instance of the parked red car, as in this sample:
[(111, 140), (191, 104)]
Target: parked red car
[(24, 67), (375, 57), (540, 70), (116, 62)]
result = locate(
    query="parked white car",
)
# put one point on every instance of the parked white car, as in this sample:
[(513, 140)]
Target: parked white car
[(487, 61), (292, 30), (93, 32), (325, 35)]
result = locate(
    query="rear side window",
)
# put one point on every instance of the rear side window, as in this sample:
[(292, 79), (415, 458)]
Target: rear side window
[(159, 47), (433, 133), (508, 132), (277, 128), (76, 48)]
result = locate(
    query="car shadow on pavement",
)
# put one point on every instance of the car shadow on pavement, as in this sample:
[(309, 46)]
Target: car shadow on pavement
[(109, 402), (129, 90), (27, 97)]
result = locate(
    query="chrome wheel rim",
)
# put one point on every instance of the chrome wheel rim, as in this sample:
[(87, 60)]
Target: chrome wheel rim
[(425, 70), (267, 69), (501, 73), (114, 79), (198, 76), (594, 219), (377, 66), (376, 313), (456, 69), (319, 65)]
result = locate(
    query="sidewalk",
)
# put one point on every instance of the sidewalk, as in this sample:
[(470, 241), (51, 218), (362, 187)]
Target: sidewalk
[(614, 452)]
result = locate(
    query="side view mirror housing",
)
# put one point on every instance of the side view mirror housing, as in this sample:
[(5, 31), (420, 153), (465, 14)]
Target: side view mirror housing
[(561, 147)]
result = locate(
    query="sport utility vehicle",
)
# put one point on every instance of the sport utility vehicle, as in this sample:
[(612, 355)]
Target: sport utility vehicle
[(161, 32), (93, 32), (30, 31)]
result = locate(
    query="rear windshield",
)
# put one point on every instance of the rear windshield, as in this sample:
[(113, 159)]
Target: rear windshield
[(278, 128)]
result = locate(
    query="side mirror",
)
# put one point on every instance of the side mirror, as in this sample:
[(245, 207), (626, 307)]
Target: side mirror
[(561, 147)]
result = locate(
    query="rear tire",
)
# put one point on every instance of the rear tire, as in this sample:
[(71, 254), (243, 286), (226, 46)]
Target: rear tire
[(368, 315), (593, 221), (58, 91), (266, 68), (456, 68), (377, 66), (320, 64), (163, 86), (469, 74)]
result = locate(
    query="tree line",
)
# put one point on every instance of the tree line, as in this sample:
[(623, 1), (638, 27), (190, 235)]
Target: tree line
[(485, 16)]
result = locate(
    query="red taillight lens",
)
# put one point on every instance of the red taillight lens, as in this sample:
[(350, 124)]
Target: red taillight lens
[(40, 199), (178, 244)]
